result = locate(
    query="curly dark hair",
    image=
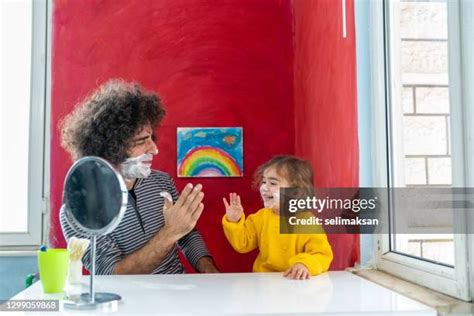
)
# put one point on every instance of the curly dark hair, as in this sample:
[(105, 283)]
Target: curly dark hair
[(104, 123)]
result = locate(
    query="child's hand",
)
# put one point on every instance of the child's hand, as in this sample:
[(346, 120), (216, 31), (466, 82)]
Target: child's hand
[(297, 272), (234, 210)]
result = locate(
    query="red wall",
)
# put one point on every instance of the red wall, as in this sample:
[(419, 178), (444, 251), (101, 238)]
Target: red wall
[(214, 65), (226, 64), (326, 103)]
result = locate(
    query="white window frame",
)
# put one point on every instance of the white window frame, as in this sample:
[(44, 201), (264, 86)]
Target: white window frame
[(453, 281), (38, 157)]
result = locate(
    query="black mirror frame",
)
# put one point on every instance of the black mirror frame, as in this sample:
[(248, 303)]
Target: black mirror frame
[(117, 218)]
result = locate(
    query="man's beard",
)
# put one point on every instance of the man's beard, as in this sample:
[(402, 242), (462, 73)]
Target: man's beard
[(133, 168)]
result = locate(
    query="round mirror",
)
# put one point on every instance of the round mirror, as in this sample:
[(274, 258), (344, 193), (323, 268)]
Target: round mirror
[(95, 196), (95, 200)]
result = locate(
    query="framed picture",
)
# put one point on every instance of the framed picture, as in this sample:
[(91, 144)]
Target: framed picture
[(210, 152)]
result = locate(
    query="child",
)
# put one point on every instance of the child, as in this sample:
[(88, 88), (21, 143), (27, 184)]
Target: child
[(298, 255)]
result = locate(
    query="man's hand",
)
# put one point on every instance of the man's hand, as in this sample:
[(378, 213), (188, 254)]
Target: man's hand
[(297, 272), (206, 265), (181, 217), (234, 210)]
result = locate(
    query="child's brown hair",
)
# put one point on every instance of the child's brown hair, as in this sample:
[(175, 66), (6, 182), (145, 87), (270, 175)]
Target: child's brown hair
[(297, 171)]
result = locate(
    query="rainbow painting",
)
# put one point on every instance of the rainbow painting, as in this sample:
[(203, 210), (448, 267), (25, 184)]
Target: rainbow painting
[(210, 152)]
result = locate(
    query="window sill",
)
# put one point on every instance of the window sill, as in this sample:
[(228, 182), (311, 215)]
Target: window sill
[(444, 304), (26, 252)]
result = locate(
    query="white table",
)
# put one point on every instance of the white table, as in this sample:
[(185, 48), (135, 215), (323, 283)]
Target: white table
[(335, 293)]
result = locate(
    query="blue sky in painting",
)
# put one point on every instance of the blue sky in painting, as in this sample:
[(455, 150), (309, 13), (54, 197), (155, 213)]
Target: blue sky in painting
[(228, 139)]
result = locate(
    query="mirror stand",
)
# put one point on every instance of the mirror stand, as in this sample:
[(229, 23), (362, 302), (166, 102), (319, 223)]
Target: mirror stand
[(93, 300), (95, 200)]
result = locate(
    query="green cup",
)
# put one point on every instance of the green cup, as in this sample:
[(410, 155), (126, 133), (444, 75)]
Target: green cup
[(53, 267)]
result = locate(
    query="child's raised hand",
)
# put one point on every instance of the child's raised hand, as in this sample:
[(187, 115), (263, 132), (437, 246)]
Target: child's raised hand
[(297, 272), (234, 210)]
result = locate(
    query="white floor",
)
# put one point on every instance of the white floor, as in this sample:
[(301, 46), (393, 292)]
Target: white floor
[(335, 293)]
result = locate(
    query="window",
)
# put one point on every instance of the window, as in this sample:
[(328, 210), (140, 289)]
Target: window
[(424, 127), (23, 115), (419, 37)]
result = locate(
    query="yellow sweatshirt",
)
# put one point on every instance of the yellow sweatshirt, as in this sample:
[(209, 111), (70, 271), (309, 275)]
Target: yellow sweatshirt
[(278, 252)]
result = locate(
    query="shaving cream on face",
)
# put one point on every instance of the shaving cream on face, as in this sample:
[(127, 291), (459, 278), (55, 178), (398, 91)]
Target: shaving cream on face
[(265, 193), (273, 203), (276, 200), (276, 196), (137, 167)]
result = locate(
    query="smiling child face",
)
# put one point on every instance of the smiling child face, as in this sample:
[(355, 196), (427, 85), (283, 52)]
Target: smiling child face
[(270, 186)]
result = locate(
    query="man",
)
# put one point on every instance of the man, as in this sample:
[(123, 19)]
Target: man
[(117, 122)]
